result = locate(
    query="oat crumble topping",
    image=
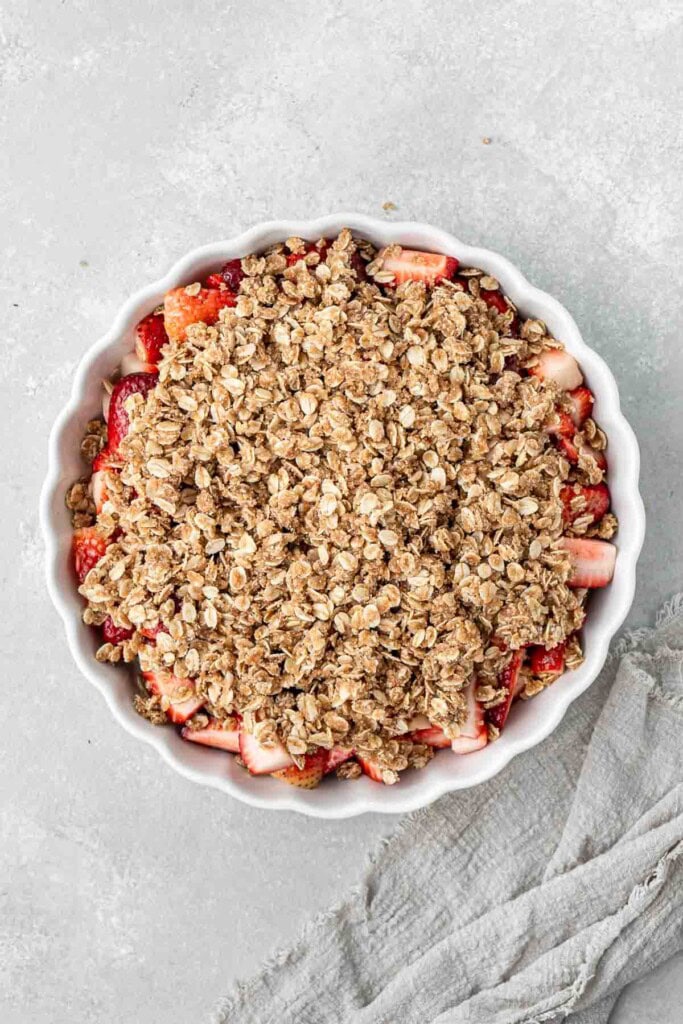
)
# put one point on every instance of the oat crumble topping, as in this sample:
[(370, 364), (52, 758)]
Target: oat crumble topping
[(340, 503)]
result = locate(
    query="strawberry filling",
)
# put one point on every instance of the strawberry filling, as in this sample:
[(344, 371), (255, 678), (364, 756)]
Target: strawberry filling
[(88, 546), (495, 299), (413, 265), (509, 680), (592, 560), (150, 338), (119, 422), (112, 634), (592, 501), (183, 308), (543, 659)]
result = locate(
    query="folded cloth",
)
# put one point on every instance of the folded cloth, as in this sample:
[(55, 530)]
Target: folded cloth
[(534, 897)]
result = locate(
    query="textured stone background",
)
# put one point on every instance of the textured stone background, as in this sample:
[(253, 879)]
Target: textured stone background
[(134, 131)]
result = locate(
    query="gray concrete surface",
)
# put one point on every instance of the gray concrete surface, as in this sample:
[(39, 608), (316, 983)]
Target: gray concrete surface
[(132, 132)]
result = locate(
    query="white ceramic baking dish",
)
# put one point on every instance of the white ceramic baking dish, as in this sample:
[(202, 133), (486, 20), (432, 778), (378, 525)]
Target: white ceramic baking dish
[(530, 721)]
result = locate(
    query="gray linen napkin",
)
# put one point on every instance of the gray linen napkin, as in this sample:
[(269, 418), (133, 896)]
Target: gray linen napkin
[(534, 897)]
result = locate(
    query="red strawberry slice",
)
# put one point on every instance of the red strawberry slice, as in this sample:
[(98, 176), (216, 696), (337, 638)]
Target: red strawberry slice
[(152, 632), (131, 363), (232, 275), (558, 365), (100, 494), (509, 678), (262, 760), (88, 546), (473, 735), (181, 309), (545, 659), (370, 768), (102, 463), (335, 757), (411, 265), (294, 257), (150, 338), (592, 561), (180, 692), (598, 456), (307, 777), (581, 400), (104, 460), (214, 281), (596, 500), (562, 425), (464, 283), (113, 634), (118, 424), (224, 735), (496, 299), (569, 450), (433, 737)]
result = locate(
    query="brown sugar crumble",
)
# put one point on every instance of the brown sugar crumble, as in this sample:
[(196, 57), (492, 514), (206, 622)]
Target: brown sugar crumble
[(339, 505)]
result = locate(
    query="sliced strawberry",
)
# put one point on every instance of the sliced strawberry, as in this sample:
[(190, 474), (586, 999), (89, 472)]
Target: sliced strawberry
[(222, 735), (370, 768), (581, 404), (469, 744), (262, 760), (558, 365), (544, 659), (473, 735), (88, 546), (562, 425), (100, 495), (509, 678), (433, 737), (181, 309), (104, 460), (335, 757), (150, 338), (464, 283), (594, 453), (496, 299), (214, 281), (569, 450), (102, 463), (152, 632), (572, 452), (592, 561), (180, 692), (307, 777), (232, 274), (294, 257), (112, 634), (118, 424), (411, 265), (596, 500), (131, 363)]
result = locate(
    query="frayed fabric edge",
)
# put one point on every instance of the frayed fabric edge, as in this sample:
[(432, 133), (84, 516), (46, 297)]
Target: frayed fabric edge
[(640, 898), (672, 609)]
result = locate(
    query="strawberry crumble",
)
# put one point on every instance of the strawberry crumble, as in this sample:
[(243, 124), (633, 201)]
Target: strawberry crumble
[(345, 506)]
